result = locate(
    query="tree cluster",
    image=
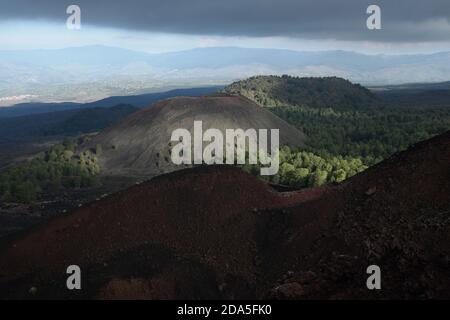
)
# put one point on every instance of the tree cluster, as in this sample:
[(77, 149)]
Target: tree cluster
[(58, 168)]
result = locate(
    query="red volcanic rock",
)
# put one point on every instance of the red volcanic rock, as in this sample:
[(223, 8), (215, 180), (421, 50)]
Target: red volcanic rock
[(217, 232)]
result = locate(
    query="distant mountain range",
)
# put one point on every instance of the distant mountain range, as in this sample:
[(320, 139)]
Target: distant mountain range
[(90, 73)]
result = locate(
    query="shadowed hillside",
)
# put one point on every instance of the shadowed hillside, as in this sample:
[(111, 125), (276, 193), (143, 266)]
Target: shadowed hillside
[(62, 123), (217, 232), (140, 144), (90, 120)]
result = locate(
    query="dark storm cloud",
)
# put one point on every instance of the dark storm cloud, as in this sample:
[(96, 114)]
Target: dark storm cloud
[(402, 20)]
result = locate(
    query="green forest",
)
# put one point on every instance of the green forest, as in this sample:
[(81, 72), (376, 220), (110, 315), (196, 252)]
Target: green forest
[(348, 127), (315, 92), (58, 168), (305, 169), (371, 135)]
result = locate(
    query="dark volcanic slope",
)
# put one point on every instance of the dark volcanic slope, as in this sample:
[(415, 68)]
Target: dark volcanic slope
[(216, 232), (68, 122), (140, 144)]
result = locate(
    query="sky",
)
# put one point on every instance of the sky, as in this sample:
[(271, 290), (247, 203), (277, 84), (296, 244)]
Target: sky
[(408, 26)]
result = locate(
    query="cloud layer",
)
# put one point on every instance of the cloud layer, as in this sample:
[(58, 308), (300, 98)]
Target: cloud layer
[(402, 20)]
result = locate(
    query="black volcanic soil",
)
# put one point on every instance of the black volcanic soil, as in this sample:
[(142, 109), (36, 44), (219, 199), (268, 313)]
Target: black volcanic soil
[(17, 217), (140, 145), (217, 232)]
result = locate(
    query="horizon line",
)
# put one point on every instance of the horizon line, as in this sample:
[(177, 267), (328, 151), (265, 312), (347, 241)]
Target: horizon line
[(227, 47)]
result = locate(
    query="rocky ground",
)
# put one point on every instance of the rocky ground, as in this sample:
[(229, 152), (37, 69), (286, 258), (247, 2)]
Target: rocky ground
[(218, 233)]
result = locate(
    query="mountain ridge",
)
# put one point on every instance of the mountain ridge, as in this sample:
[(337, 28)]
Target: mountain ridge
[(275, 91)]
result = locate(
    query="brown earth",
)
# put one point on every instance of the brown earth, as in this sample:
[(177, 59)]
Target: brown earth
[(218, 233)]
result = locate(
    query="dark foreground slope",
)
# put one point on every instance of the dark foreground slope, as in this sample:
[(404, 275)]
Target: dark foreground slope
[(216, 232)]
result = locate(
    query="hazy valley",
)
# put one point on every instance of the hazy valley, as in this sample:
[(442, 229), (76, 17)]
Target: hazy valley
[(86, 74)]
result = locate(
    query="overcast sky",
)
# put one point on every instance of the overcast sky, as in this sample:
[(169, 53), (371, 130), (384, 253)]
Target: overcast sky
[(166, 25)]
